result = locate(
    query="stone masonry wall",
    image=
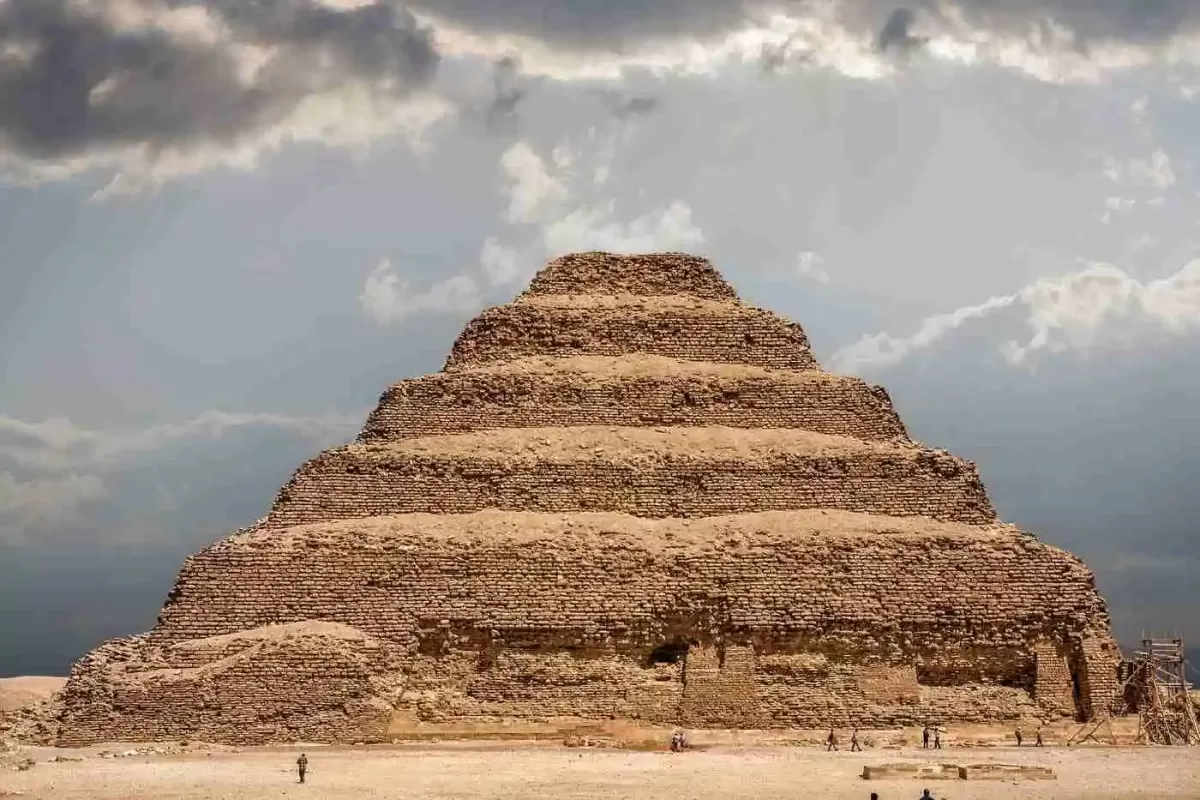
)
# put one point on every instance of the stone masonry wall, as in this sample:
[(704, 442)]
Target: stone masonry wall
[(1098, 660), (646, 275), (796, 631), (348, 483), (970, 588), (311, 687), (1054, 689), (466, 401), (736, 335)]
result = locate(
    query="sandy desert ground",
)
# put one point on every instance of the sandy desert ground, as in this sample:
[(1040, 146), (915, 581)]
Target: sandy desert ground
[(27, 689), (552, 771)]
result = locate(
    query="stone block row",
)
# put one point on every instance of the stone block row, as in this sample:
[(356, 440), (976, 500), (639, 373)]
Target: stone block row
[(380, 480), (725, 333), (803, 631), (647, 275), (625, 393)]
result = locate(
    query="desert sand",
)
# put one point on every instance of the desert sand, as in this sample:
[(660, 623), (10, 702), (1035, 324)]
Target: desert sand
[(26, 690), (512, 770)]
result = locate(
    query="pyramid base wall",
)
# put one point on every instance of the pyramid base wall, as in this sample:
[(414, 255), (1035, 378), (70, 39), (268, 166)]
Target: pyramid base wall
[(315, 688), (749, 630)]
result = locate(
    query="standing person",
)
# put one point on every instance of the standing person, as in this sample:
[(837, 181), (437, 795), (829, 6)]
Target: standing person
[(1017, 733), (854, 746), (1038, 743), (937, 738), (831, 741), (302, 766), (925, 737)]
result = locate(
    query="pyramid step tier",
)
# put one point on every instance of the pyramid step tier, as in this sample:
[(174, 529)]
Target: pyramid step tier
[(676, 326), (818, 572), (796, 619), (664, 472), (632, 391), (647, 275)]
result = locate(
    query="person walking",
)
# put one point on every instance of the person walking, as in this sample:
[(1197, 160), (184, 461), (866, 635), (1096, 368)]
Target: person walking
[(1017, 733), (831, 741), (302, 766), (937, 738), (925, 737), (1038, 742), (854, 746)]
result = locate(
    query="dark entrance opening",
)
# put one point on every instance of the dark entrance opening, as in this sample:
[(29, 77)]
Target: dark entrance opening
[(1081, 711), (669, 653)]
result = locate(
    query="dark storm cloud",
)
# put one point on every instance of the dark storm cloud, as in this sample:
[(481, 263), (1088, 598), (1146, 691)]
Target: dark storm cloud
[(72, 78), (507, 91), (897, 31), (592, 24), (619, 25)]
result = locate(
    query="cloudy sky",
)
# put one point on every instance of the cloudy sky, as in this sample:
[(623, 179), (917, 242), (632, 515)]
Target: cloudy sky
[(226, 226)]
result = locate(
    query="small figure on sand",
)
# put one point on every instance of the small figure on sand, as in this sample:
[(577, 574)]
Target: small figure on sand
[(1017, 733), (854, 745), (678, 742), (937, 738), (302, 766), (925, 737), (1038, 741), (831, 741)]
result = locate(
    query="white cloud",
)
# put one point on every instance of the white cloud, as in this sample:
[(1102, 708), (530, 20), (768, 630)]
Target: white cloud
[(594, 228), (63, 482), (532, 191), (544, 194), (387, 298), (46, 501), (57, 444), (816, 37), (499, 262), (1099, 305), (811, 266), (813, 35), (1155, 172)]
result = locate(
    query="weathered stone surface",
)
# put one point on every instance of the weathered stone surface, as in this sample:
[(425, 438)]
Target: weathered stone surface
[(684, 328), (628, 495), (660, 472), (631, 391), (1005, 772)]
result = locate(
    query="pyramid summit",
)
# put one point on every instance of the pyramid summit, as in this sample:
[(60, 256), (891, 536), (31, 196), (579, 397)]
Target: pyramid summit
[(627, 495)]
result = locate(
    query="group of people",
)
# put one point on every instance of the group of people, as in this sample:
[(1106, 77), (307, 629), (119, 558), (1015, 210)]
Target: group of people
[(937, 737), (1037, 743), (678, 742), (831, 741)]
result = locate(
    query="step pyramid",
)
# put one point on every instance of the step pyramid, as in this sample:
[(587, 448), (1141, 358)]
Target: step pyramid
[(627, 495)]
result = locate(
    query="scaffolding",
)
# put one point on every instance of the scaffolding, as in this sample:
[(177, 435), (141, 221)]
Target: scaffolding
[(1153, 684)]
